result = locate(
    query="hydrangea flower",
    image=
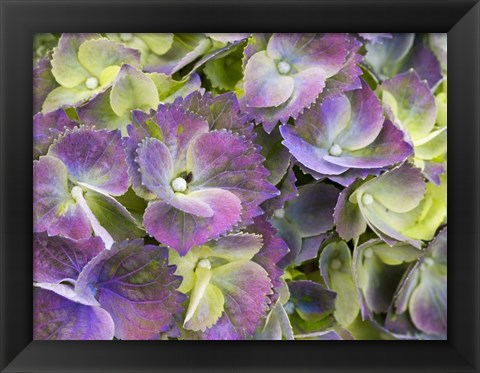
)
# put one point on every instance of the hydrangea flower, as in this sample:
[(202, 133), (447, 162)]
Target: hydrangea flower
[(413, 108), (304, 220), (133, 90), (84, 65), (185, 49), (400, 53), (345, 136), (398, 206), (200, 183), (420, 304), (149, 44), (229, 282), (127, 292), (310, 308), (74, 184), (379, 269), (336, 270), (286, 73)]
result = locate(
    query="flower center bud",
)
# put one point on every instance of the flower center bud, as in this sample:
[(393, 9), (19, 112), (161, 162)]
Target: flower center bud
[(429, 262), (126, 36), (204, 263), (367, 199), (179, 184), (335, 150), (91, 82), (289, 307), (336, 264), (368, 253), (279, 213), (283, 67)]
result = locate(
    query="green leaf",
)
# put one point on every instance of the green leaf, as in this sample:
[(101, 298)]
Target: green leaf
[(224, 73)]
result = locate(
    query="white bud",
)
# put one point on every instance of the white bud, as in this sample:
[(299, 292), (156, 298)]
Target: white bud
[(179, 184), (429, 262), (335, 150), (367, 199), (279, 213), (204, 263), (283, 67), (368, 253), (91, 82)]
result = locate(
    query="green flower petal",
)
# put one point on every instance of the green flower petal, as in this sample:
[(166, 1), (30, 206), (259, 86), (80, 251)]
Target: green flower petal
[(336, 268), (97, 55), (133, 90)]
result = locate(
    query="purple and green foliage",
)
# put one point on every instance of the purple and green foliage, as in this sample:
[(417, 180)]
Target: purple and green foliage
[(242, 186)]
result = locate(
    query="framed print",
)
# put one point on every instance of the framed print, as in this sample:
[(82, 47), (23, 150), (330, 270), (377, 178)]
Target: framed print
[(230, 201)]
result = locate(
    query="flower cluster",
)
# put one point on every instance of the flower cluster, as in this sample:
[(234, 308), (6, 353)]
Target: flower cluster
[(239, 186)]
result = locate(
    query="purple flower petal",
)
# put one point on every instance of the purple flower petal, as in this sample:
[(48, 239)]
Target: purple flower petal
[(47, 127), (411, 102), (176, 128), (311, 299), (366, 120), (56, 258), (288, 191), (223, 160), (348, 78), (424, 62), (136, 286), (94, 157), (58, 318), (273, 250), (305, 51), (388, 148), (54, 209), (312, 212), (182, 230), (428, 304), (383, 57), (347, 216), (221, 112), (433, 171), (308, 85), (264, 85), (155, 165), (277, 156), (308, 59), (245, 286)]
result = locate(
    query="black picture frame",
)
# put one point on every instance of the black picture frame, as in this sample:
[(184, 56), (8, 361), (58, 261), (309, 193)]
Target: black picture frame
[(21, 18)]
